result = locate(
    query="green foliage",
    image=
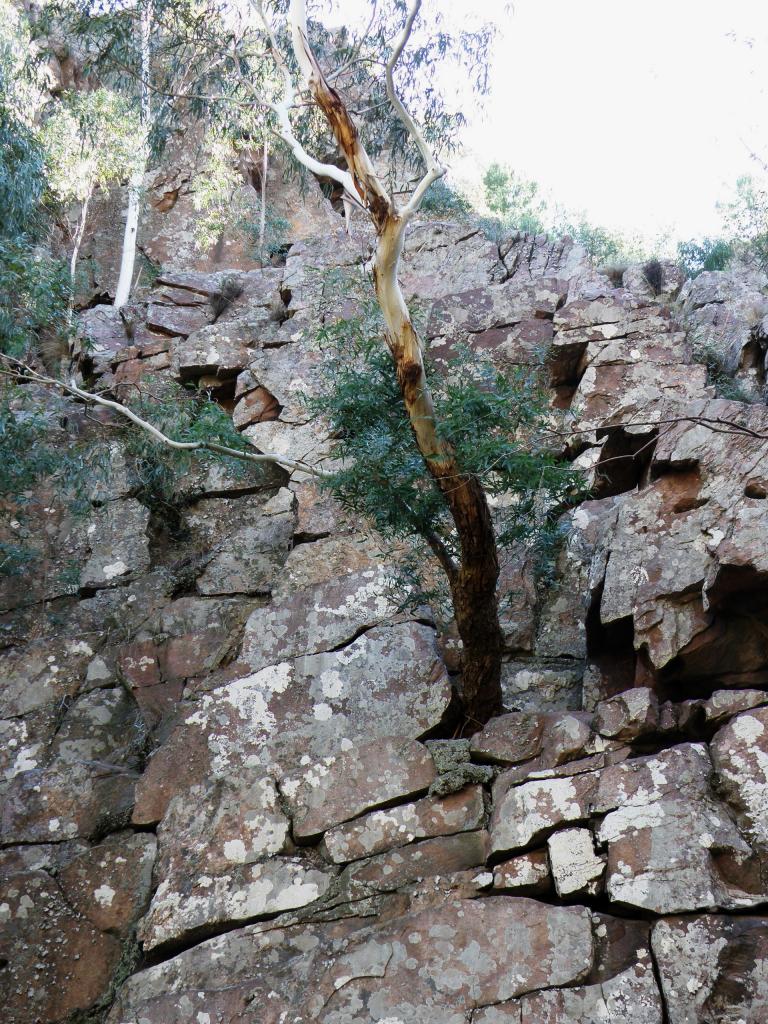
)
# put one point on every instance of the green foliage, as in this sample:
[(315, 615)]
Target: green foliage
[(442, 200), (40, 457), (745, 217), (602, 245), (698, 255), (517, 205), (90, 141), (33, 288), (33, 296), (225, 205), (184, 415), (493, 419), (515, 200)]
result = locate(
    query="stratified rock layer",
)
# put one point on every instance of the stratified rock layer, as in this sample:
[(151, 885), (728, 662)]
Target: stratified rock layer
[(225, 749)]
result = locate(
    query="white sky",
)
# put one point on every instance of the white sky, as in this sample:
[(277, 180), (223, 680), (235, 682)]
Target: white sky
[(642, 114)]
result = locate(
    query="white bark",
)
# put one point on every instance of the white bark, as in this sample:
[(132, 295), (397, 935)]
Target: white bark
[(263, 210), (78, 239), (128, 257), (26, 373), (282, 109), (136, 183)]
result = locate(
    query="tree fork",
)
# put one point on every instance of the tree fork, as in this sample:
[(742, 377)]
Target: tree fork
[(473, 583)]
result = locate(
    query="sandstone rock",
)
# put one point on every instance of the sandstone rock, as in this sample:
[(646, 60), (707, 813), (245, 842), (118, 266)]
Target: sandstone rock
[(197, 283), (256, 406), (244, 893), (65, 802), (445, 259), (398, 826), (576, 868), (291, 374), (389, 681), (510, 739), (210, 828), (110, 884), (247, 547), (724, 704), (326, 559), (526, 255), (628, 715), (526, 875), (307, 443), (503, 321), (630, 996), (430, 966), (318, 618), (740, 756), (531, 811), (532, 687), (54, 961), (119, 545), (431, 858), (542, 741), (25, 742), (104, 725), (101, 335), (366, 776), (218, 350), (723, 310), (177, 320), (435, 965), (713, 968), (667, 833), (638, 279)]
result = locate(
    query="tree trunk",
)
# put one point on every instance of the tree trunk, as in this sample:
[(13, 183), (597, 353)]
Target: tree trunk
[(128, 257), (78, 239), (473, 582), (136, 182), (263, 210)]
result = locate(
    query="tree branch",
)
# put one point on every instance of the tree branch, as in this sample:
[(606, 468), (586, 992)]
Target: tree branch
[(23, 372), (434, 169), (282, 109)]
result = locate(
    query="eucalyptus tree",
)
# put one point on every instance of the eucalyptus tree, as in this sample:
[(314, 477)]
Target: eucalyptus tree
[(89, 140), (143, 15), (370, 103), (467, 551)]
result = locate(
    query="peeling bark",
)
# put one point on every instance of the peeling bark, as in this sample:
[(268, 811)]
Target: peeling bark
[(473, 581)]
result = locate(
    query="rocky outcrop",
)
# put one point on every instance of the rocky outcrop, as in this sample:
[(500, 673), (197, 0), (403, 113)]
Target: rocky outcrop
[(230, 785)]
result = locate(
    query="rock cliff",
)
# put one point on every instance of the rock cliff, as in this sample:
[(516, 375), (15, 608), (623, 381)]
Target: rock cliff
[(230, 792)]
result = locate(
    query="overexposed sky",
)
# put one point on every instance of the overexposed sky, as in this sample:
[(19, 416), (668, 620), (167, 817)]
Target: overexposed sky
[(642, 114)]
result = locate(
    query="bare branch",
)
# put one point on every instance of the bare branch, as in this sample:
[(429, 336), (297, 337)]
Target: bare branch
[(434, 169), (26, 373), (282, 112)]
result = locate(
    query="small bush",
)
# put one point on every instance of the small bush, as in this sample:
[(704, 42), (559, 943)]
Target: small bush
[(697, 255), (442, 200)]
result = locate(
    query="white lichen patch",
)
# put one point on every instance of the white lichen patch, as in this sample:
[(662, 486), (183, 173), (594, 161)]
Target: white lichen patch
[(104, 895), (114, 569)]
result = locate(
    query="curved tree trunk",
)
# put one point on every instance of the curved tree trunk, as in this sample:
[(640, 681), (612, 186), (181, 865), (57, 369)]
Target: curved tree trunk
[(473, 581)]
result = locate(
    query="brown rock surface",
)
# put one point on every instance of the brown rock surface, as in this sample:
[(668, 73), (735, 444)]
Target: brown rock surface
[(365, 776), (401, 825), (713, 968)]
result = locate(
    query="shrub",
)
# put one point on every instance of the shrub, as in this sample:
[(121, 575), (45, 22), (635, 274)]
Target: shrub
[(698, 255), (493, 419)]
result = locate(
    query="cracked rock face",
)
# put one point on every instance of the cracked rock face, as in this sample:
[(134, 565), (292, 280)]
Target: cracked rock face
[(226, 750)]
